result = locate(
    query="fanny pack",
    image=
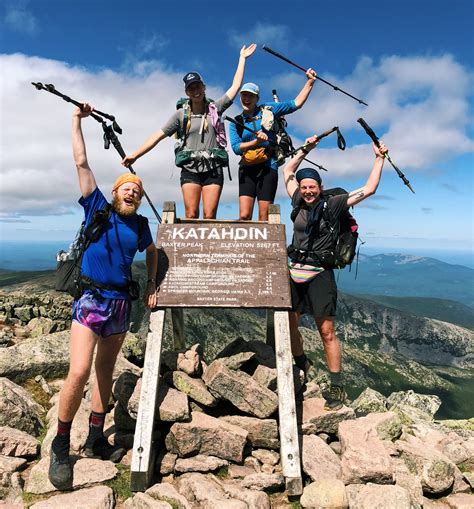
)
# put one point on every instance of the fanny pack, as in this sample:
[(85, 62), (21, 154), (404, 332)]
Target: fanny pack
[(255, 156), (184, 157)]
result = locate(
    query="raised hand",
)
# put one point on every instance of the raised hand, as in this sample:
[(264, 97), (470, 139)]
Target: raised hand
[(311, 74), (247, 51), (381, 150), (86, 110)]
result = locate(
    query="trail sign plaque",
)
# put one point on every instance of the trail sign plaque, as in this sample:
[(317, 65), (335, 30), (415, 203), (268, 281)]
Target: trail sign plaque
[(223, 265)]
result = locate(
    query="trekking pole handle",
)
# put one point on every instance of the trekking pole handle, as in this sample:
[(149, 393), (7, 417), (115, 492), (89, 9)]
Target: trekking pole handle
[(327, 133), (369, 131)]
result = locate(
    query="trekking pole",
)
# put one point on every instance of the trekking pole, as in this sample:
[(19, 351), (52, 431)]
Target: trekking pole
[(109, 131), (341, 142), (336, 88), (375, 139), (230, 119)]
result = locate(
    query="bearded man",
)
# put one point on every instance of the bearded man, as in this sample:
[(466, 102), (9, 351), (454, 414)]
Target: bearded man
[(101, 316)]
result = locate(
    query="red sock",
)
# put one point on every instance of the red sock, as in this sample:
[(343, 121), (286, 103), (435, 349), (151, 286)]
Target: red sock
[(64, 428)]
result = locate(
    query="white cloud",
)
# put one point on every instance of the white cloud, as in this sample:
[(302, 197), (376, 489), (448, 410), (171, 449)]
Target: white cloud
[(419, 106), (21, 20), (262, 33)]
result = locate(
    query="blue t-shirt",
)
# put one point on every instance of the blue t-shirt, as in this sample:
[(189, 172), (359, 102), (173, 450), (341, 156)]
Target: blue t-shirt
[(109, 260), (278, 109)]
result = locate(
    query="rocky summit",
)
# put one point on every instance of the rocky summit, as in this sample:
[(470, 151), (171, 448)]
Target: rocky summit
[(217, 427)]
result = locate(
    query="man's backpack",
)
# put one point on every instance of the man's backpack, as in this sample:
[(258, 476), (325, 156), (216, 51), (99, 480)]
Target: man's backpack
[(343, 231), (68, 270)]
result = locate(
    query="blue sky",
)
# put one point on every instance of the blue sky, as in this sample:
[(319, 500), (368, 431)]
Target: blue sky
[(412, 61)]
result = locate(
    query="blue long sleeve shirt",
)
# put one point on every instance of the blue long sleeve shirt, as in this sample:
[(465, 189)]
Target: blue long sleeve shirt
[(279, 109)]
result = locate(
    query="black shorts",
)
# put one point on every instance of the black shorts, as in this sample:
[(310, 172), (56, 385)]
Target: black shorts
[(258, 181), (205, 178), (318, 297)]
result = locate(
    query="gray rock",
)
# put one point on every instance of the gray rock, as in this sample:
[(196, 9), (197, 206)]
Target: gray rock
[(199, 463), (437, 473), (145, 501), (364, 457), (264, 353), (40, 327), (369, 401), (428, 404), (24, 313), (190, 361), (319, 460), (240, 389), (17, 408), (325, 493), (46, 355), (11, 464), (86, 472), (167, 493), (409, 481), (266, 457), (97, 497), (195, 388), (206, 492), (262, 481), (315, 419), (261, 432), (167, 463), (11, 489), (460, 501), (14, 442), (122, 419), (253, 498), (207, 435), (266, 377), (238, 360), (374, 496), (124, 386)]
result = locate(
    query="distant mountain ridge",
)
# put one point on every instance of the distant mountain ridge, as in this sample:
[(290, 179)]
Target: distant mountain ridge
[(403, 275)]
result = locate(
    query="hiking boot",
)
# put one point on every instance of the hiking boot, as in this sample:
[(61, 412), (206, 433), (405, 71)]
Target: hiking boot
[(103, 450), (60, 471), (334, 397)]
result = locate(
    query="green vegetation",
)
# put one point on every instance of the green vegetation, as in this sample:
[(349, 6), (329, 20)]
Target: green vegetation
[(223, 472), (30, 498), (121, 483)]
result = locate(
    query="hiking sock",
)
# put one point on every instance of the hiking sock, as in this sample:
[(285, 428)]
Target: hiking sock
[(96, 427), (300, 361), (335, 378), (61, 441)]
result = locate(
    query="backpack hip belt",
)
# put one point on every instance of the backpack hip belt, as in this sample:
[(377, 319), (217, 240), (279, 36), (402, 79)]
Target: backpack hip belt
[(321, 258)]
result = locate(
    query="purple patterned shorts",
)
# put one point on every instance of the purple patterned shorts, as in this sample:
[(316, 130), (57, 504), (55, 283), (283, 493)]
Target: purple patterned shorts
[(104, 317)]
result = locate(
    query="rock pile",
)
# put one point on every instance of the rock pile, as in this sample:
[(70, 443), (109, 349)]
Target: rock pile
[(33, 315), (218, 442)]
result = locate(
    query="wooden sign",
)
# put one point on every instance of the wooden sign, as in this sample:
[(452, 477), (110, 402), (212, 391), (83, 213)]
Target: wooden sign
[(223, 265)]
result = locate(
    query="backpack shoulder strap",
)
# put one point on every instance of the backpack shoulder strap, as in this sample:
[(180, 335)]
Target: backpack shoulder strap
[(239, 127), (142, 224)]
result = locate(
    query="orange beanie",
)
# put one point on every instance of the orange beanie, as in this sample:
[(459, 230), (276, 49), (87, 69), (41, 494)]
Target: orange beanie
[(128, 177)]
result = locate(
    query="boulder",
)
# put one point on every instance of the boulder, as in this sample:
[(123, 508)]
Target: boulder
[(11, 464), (369, 401), (145, 501), (264, 353), (460, 501), (86, 472), (319, 460), (40, 326), (409, 481), (266, 457), (240, 389), (14, 442), (205, 491), (427, 404), (195, 388), (266, 377), (436, 472), (167, 493), (325, 494), (374, 496), (190, 361), (316, 419), (199, 463), (207, 435), (253, 498), (45, 355), (261, 432), (18, 409), (262, 481), (364, 457), (238, 360), (166, 463), (97, 497), (124, 387)]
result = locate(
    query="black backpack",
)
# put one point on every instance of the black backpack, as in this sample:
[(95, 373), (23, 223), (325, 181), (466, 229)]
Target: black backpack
[(68, 270), (343, 232)]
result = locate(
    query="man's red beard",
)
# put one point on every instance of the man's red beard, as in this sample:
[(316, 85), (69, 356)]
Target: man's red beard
[(123, 208)]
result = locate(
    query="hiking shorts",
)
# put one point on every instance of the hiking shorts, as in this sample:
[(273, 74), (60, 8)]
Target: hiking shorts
[(204, 178), (104, 317), (317, 297), (258, 181)]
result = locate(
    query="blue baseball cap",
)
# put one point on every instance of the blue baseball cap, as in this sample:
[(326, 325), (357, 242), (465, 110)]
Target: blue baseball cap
[(251, 88)]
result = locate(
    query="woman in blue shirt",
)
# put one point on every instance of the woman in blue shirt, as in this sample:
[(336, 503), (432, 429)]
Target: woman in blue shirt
[(258, 172)]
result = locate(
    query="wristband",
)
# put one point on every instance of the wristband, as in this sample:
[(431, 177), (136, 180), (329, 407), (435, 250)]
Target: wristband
[(304, 151)]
